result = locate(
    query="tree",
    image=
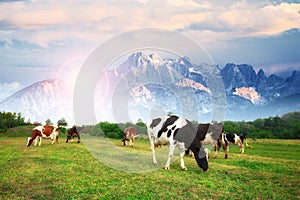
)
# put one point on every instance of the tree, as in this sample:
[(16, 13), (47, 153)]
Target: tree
[(48, 122), (62, 122)]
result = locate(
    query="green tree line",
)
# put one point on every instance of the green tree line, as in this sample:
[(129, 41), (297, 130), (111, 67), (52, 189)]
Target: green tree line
[(115, 130), (10, 120), (284, 127)]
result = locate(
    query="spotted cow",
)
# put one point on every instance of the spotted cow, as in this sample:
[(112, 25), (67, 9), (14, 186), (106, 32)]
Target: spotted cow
[(236, 139), (39, 132), (209, 134), (128, 135), (177, 132)]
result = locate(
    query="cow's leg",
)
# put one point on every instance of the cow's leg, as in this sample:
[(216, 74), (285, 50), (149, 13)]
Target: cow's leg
[(154, 161), (40, 141), (242, 148), (225, 148), (216, 148), (182, 152), (131, 142), (35, 141), (171, 152), (52, 139), (57, 139), (78, 136)]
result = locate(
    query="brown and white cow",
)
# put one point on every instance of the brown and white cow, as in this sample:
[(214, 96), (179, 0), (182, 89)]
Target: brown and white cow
[(128, 135), (47, 132)]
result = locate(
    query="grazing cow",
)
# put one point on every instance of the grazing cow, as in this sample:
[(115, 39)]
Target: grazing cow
[(128, 135), (226, 139), (177, 132), (73, 132), (209, 134), (47, 131)]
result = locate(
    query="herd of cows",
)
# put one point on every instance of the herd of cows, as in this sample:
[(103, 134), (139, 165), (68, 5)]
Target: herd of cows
[(170, 130)]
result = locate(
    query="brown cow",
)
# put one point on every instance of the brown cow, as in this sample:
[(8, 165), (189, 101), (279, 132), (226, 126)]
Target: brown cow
[(39, 132), (128, 135), (73, 132)]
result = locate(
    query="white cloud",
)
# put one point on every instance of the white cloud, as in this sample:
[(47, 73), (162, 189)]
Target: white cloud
[(50, 21), (7, 89)]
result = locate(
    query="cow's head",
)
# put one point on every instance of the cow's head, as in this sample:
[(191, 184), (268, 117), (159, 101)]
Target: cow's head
[(203, 163), (29, 141), (57, 128), (201, 159)]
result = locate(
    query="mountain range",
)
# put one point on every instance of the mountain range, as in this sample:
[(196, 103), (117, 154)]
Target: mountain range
[(164, 85)]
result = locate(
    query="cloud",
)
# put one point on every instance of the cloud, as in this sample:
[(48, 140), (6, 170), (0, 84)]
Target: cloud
[(7, 89), (49, 22), (9, 1), (50, 32)]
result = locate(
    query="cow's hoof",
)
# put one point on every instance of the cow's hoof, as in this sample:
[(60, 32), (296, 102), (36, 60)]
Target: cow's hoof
[(155, 164), (205, 170), (167, 167), (184, 168)]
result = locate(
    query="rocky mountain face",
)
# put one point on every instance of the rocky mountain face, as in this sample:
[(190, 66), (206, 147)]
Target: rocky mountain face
[(154, 84), (269, 88), (47, 99)]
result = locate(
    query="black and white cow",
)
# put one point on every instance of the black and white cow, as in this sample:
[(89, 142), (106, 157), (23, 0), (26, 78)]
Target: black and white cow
[(209, 135), (226, 139), (177, 132)]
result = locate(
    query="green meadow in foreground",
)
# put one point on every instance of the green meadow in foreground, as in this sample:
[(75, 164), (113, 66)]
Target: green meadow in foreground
[(270, 170)]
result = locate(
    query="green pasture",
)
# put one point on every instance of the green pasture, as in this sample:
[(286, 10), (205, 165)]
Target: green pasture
[(270, 170)]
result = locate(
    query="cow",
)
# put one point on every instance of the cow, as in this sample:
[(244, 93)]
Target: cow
[(209, 134), (177, 132), (128, 135), (47, 131), (73, 132), (226, 139)]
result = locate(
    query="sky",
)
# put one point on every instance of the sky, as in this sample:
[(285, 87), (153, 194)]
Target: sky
[(42, 39)]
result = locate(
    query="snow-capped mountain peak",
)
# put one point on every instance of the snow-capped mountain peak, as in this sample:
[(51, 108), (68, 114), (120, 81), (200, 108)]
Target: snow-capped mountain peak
[(139, 59), (47, 99)]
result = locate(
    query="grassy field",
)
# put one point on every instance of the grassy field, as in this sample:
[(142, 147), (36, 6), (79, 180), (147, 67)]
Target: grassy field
[(271, 170)]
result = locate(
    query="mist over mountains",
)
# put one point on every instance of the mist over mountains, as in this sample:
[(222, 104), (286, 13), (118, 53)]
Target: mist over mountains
[(154, 84)]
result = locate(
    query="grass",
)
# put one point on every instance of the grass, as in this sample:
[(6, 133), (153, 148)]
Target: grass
[(69, 171)]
